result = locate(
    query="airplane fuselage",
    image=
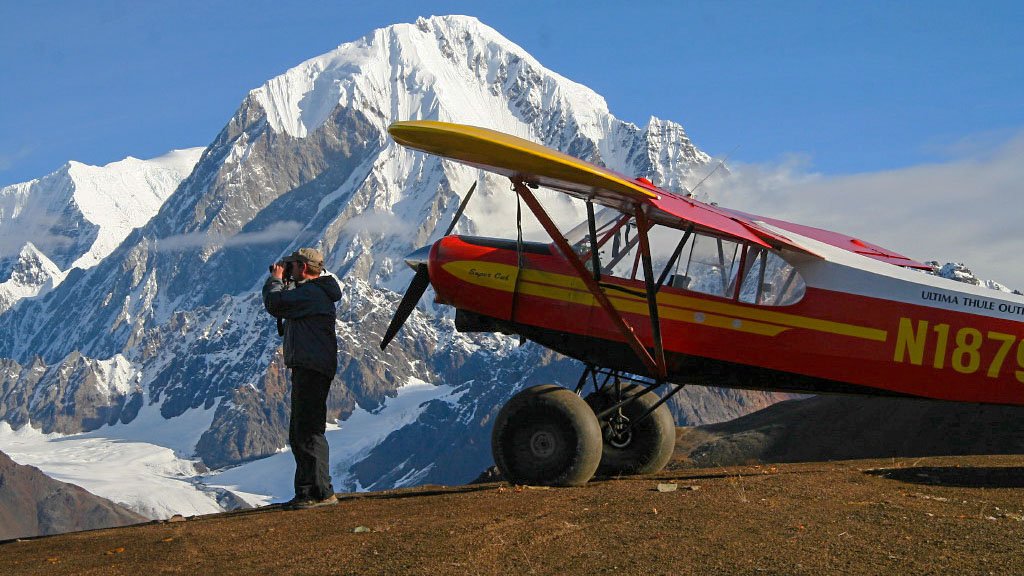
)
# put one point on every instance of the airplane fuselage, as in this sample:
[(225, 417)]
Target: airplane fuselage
[(860, 326)]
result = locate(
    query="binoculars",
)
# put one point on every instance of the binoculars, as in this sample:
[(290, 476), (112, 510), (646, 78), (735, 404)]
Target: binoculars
[(287, 275)]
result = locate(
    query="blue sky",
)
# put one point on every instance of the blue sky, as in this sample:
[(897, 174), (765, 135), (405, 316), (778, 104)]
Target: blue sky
[(849, 87)]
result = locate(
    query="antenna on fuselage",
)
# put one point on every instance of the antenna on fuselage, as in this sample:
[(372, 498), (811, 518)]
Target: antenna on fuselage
[(715, 169)]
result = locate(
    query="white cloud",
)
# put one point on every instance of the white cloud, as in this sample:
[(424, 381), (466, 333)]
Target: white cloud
[(373, 222), (9, 160), (273, 233), (967, 209), (38, 231)]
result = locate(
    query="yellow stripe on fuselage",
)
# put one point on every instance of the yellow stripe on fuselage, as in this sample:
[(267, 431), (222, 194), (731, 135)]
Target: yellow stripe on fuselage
[(567, 288)]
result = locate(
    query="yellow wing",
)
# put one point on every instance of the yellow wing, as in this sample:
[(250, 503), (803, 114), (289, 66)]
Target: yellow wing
[(517, 158), (535, 164)]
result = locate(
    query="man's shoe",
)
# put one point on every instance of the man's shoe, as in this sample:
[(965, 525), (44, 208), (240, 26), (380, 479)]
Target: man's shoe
[(290, 505), (312, 503)]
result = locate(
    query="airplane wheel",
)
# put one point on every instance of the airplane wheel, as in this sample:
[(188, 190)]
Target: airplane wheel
[(546, 435), (644, 448)]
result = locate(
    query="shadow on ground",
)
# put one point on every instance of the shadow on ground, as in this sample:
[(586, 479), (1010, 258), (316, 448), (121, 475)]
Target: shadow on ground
[(961, 477)]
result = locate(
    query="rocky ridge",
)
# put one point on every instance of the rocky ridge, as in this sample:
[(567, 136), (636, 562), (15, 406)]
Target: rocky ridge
[(33, 504), (29, 275), (849, 427)]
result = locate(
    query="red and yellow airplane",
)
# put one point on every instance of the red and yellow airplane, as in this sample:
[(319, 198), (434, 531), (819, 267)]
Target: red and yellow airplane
[(657, 290)]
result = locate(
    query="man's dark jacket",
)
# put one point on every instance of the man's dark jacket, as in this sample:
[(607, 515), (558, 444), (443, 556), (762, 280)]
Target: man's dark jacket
[(308, 312)]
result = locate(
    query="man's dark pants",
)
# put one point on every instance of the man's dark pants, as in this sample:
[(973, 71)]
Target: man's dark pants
[(306, 434)]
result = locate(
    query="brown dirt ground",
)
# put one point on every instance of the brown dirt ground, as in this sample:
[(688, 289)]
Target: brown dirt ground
[(939, 515)]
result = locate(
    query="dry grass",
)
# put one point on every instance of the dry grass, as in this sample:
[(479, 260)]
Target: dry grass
[(907, 516)]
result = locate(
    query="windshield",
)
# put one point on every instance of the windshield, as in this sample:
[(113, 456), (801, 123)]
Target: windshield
[(714, 264), (770, 280), (606, 220), (704, 263), (616, 237)]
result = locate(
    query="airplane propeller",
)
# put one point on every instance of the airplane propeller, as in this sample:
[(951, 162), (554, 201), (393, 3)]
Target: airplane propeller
[(417, 260)]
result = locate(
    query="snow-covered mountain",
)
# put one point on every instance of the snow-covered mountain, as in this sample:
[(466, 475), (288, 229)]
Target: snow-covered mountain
[(961, 273), (30, 274), (77, 215), (306, 160)]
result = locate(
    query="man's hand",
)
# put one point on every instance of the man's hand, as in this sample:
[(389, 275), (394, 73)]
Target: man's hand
[(277, 271)]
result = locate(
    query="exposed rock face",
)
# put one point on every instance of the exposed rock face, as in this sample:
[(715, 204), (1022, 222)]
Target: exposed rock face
[(74, 395), (696, 405), (30, 275), (33, 504), (306, 160), (252, 422)]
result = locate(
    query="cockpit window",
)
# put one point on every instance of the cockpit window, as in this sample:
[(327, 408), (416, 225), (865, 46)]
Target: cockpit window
[(714, 264), (616, 239), (605, 220), (769, 280), (705, 263)]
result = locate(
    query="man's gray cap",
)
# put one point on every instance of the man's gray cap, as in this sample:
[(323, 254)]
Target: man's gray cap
[(307, 255)]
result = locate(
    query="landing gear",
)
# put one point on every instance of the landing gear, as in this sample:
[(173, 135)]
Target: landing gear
[(633, 443), (547, 435)]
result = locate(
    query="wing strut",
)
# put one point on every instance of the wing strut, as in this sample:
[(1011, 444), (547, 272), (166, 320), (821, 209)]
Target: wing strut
[(643, 226), (595, 259), (675, 256), (586, 276)]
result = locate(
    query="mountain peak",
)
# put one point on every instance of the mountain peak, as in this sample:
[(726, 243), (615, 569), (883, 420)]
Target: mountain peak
[(78, 214), (961, 273), (31, 274), (444, 67), (33, 263)]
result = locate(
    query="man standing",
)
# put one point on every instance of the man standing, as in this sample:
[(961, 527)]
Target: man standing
[(307, 310)]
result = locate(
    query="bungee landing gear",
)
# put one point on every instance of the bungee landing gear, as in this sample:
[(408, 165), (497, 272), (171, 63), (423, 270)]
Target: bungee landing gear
[(548, 435)]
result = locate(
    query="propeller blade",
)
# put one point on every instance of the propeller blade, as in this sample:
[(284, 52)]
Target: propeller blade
[(462, 207), (412, 295), (418, 261)]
